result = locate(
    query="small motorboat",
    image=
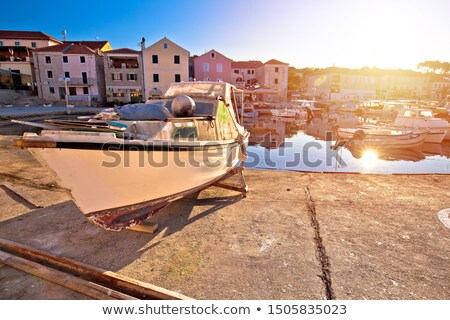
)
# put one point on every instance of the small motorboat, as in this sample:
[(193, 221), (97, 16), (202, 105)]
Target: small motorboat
[(420, 120), (125, 164), (374, 132), (389, 154), (386, 139)]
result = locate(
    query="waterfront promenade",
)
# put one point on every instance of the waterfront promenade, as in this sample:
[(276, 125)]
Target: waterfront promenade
[(380, 234)]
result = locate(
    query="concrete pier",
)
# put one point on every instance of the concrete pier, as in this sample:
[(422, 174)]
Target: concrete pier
[(380, 234)]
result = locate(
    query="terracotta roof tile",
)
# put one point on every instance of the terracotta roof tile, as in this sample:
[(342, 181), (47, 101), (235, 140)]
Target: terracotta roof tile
[(28, 35), (67, 48), (252, 64), (90, 44), (122, 50)]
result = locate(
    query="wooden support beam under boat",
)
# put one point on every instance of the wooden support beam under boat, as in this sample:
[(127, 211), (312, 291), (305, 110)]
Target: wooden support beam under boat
[(145, 226), (124, 284)]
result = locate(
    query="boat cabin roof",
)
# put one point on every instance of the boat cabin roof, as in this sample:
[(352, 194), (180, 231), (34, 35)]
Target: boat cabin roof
[(420, 113), (197, 89)]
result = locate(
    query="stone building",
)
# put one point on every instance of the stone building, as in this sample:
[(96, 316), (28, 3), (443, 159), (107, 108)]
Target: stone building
[(212, 66), (124, 77), (164, 62), (16, 48), (74, 66)]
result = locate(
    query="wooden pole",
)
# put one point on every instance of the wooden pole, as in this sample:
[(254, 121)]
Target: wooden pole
[(132, 287), (87, 288)]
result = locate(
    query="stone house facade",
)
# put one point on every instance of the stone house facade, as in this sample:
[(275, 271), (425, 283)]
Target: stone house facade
[(164, 62), (124, 76), (73, 66)]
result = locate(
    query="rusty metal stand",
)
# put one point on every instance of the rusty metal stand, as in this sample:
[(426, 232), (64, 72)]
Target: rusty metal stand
[(243, 188)]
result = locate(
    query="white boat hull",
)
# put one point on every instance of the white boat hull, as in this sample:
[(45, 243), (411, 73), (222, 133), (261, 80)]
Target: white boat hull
[(415, 140), (101, 180)]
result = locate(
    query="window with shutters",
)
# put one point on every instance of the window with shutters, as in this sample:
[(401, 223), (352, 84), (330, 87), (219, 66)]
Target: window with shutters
[(116, 76)]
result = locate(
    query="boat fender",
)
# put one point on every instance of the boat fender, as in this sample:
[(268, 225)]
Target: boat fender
[(183, 106), (359, 135)]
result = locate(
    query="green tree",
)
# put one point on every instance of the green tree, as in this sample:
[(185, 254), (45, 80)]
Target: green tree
[(434, 66), (294, 80)]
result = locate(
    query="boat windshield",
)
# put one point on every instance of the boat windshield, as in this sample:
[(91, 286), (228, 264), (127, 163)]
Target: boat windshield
[(196, 89), (426, 113), (203, 107)]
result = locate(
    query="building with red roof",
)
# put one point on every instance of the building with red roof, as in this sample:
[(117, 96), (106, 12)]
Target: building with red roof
[(72, 65), (16, 49), (212, 66), (244, 72), (102, 45)]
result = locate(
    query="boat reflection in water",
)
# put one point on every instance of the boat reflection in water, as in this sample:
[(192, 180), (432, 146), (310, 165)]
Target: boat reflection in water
[(294, 145), (370, 155)]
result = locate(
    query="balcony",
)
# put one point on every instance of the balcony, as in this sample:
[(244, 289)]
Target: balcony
[(10, 53), (14, 58), (123, 63), (80, 82)]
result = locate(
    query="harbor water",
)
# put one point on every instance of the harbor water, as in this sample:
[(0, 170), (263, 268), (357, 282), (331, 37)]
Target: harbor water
[(293, 145)]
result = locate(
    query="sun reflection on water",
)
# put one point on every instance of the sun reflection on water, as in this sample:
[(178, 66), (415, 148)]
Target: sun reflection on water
[(370, 157)]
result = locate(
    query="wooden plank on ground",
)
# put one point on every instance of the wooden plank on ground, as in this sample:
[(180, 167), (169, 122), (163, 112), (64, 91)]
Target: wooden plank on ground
[(82, 286), (110, 279)]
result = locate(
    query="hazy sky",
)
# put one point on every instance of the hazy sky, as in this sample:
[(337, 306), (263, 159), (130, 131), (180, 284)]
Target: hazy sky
[(303, 33)]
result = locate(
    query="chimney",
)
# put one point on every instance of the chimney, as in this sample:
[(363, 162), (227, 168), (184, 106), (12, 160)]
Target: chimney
[(143, 44)]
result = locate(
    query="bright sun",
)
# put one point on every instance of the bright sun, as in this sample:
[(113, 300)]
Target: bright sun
[(369, 157)]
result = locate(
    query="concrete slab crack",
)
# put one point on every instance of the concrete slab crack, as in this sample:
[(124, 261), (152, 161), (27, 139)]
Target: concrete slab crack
[(321, 253)]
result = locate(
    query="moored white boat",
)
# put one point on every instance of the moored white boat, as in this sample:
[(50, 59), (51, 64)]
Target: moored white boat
[(347, 133), (386, 140), (123, 175), (422, 120)]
